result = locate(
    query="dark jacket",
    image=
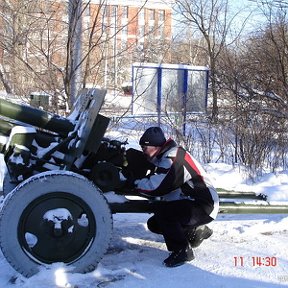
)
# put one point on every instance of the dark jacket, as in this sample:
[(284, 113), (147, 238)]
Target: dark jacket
[(177, 175)]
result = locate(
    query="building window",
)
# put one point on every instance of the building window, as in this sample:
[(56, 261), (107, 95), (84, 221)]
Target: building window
[(124, 37), (151, 29), (161, 15), (125, 32), (141, 31), (106, 11), (114, 11), (151, 14), (125, 12), (141, 16), (161, 31), (113, 19)]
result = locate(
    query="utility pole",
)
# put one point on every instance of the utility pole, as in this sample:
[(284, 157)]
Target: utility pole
[(75, 31)]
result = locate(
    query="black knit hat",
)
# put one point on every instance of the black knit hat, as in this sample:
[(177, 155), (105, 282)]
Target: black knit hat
[(153, 136)]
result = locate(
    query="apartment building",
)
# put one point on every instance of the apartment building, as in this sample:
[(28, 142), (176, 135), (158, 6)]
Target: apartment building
[(101, 38), (137, 31), (140, 19)]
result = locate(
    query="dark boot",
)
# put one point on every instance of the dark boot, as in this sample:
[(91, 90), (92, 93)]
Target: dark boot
[(180, 257), (197, 236)]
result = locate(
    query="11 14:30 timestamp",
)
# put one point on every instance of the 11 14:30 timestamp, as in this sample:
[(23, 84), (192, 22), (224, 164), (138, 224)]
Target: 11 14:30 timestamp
[(255, 261)]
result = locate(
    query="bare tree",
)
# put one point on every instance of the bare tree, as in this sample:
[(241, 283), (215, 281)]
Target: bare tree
[(31, 45), (211, 23), (41, 50), (254, 82)]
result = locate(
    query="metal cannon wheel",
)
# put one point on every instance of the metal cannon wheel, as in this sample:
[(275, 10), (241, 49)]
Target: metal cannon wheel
[(55, 217)]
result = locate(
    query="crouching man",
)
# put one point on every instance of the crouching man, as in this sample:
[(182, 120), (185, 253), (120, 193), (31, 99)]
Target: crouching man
[(188, 200)]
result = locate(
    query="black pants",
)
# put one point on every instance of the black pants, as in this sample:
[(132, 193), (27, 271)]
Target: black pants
[(174, 218)]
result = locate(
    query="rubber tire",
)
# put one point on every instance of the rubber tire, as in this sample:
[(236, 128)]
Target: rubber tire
[(39, 185)]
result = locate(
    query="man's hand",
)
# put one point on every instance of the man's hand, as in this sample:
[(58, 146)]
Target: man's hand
[(126, 187)]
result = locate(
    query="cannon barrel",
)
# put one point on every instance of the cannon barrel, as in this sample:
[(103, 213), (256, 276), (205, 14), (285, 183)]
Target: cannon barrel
[(5, 127), (145, 206), (36, 117)]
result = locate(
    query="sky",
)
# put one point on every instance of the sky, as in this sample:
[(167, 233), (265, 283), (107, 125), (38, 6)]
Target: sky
[(245, 11)]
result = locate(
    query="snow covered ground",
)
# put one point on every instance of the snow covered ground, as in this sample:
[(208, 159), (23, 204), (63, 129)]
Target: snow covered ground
[(230, 258)]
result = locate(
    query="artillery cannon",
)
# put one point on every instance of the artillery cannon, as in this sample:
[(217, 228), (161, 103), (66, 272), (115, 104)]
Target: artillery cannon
[(54, 213), (58, 170)]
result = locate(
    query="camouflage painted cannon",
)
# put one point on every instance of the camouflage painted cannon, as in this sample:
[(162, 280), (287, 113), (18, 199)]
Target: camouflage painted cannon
[(58, 170), (54, 210)]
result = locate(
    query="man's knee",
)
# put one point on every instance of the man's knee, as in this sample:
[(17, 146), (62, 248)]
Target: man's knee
[(153, 226)]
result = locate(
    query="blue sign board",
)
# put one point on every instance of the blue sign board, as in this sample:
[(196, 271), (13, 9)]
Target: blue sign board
[(169, 88)]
